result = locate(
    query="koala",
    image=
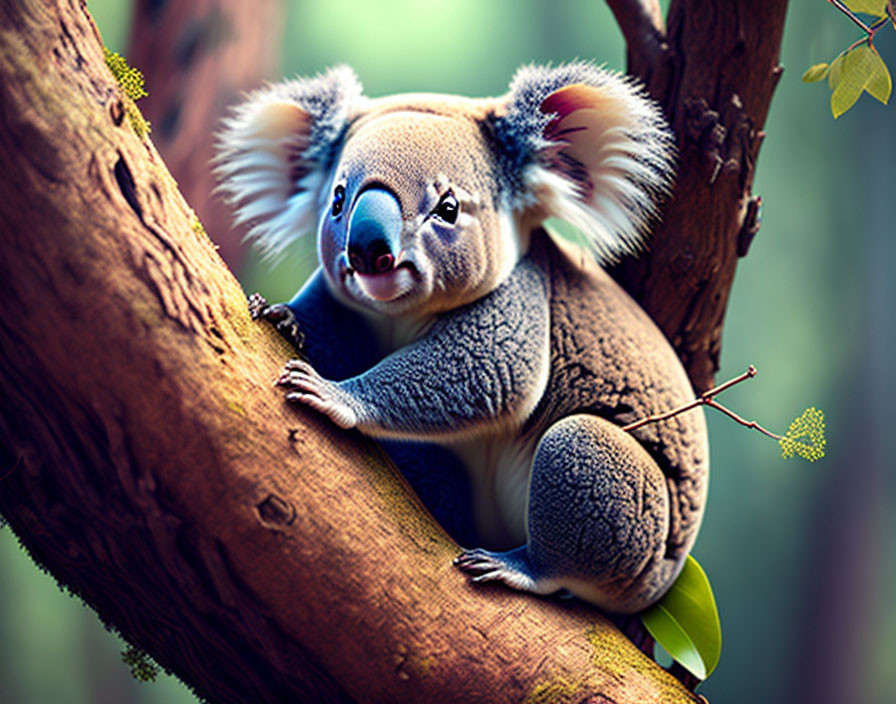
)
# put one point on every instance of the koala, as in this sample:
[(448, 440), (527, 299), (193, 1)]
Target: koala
[(444, 320)]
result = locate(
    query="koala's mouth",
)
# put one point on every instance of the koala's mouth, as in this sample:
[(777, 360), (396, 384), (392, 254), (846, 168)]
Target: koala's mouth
[(386, 286)]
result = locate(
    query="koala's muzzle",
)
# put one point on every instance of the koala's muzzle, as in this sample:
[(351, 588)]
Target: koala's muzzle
[(374, 232)]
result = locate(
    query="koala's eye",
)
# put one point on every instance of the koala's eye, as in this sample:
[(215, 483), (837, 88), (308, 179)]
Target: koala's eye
[(448, 208), (338, 200)]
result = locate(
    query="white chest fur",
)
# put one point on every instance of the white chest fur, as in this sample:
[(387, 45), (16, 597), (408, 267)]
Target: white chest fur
[(499, 466)]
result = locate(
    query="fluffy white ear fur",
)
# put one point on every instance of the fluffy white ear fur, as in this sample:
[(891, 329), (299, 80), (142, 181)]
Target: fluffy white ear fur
[(276, 150), (596, 152)]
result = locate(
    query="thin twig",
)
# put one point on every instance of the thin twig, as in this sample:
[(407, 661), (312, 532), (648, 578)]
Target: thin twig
[(702, 399), (852, 15), (748, 423), (11, 469), (707, 398), (870, 30)]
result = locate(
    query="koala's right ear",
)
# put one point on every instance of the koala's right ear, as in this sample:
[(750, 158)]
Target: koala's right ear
[(276, 151)]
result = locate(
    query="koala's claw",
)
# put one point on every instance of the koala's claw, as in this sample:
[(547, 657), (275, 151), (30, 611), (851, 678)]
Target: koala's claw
[(476, 561), (257, 304), (280, 316), (308, 387), (511, 568)]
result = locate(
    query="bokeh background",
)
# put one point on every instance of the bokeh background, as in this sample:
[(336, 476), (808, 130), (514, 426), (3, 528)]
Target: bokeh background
[(799, 554)]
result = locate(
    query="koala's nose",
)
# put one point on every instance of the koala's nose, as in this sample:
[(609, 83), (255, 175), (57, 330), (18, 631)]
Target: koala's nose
[(374, 232)]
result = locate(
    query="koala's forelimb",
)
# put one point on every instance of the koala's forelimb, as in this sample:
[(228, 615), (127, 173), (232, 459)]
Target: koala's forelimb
[(479, 367)]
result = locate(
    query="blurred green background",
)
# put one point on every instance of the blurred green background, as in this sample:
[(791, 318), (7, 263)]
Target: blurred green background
[(798, 553)]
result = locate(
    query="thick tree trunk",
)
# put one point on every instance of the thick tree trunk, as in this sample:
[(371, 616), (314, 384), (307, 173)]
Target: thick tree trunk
[(149, 465), (714, 71), (198, 56)]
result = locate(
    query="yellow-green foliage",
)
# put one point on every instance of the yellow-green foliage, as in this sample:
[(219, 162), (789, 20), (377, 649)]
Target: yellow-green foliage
[(133, 85), (142, 666), (858, 68), (805, 436)]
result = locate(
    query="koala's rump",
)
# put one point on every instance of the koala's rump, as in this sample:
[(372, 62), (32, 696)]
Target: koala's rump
[(609, 358)]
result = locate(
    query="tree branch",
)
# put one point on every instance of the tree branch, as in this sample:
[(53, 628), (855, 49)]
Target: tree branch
[(250, 548), (642, 25)]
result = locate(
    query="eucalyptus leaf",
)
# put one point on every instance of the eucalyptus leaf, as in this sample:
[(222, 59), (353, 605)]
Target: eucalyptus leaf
[(858, 70), (686, 622), (869, 7), (836, 72), (880, 85), (815, 73)]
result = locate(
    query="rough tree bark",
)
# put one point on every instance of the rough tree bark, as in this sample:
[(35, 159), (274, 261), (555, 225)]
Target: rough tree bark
[(198, 57), (714, 71), (148, 464)]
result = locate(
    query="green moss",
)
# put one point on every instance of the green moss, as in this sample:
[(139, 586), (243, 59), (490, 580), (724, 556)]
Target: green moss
[(196, 226), (558, 689), (142, 667), (133, 85)]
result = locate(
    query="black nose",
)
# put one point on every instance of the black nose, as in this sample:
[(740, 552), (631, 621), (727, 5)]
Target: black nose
[(375, 258), (374, 232)]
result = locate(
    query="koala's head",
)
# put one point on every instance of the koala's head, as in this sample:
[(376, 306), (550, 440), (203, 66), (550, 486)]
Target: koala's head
[(423, 203)]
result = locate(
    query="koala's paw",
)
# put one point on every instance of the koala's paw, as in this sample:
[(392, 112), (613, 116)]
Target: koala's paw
[(304, 385), (257, 304), (280, 316), (512, 568)]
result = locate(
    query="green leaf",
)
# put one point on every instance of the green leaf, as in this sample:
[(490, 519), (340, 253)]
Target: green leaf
[(869, 7), (686, 622), (815, 73), (836, 72), (859, 68), (880, 85)]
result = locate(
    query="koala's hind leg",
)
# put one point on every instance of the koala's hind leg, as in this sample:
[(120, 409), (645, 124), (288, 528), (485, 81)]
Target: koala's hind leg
[(598, 518)]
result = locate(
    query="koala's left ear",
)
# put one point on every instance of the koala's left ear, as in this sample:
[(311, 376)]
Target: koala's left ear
[(276, 153), (588, 146)]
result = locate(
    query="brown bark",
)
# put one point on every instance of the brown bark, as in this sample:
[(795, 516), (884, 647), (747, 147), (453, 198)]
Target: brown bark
[(714, 71), (198, 56), (150, 466)]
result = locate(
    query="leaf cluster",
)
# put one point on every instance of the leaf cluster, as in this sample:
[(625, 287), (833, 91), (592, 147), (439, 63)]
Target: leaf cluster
[(860, 67), (805, 436)]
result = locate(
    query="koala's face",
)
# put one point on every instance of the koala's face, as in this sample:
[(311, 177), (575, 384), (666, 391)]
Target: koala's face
[(411, 224), (423, 203)]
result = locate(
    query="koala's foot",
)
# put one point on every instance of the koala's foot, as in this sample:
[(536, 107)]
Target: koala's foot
[(308, 387), (280, 316), (513, 568)]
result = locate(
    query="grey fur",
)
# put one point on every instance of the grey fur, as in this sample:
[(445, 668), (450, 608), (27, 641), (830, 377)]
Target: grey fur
[(481, 366)]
